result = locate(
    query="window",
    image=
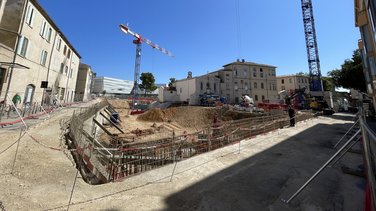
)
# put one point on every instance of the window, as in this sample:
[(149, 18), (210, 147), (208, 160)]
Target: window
[(262, 97), (262, 85), (298, 80), (283, 88), (261, 73), (58, 44), (235, 72), (23, 46), (245, 73), (66, 70), (62, 68), (255, 85), (236, 87), (69, 53), (254, 72), (245, 86), (256, 97), (181, 90), (215, 87), (283, 81), (202, 86), (290, 80), (43, 58), (30, 15), (65, 49), (49, 34), (43, 29), (71, 73)]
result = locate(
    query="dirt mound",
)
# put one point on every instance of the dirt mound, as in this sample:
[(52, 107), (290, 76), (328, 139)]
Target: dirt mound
[(119, 103), (185, 116), (153, 115)]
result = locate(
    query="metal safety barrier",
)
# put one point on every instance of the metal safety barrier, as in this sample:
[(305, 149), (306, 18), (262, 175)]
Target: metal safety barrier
[(369, 145)]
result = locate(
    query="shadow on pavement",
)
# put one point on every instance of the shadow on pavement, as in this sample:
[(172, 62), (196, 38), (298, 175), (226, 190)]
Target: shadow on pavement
[(259, 182)]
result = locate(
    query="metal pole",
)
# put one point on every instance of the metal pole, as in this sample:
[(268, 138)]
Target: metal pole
[(74, 184), (321, 169), (18, 144), (346, 134), (173, 171), (339, 158)]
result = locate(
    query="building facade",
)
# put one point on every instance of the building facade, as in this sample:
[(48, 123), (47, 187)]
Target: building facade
[(37, 61), (112, 86), (84, 84), (292, 82), (232, 82), (365, 20)]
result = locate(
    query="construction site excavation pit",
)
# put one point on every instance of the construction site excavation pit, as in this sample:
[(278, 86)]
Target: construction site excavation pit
[(111, 145)]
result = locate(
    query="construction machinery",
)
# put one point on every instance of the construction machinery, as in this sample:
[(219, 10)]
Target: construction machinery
[(311, 45), (138, 41)]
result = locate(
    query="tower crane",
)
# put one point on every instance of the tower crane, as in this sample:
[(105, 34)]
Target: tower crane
[(138, 41), (311, 44)]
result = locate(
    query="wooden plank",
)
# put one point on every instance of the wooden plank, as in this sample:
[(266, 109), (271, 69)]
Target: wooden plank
[(102, 127)]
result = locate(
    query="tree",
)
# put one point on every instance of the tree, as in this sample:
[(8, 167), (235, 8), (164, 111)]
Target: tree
[(351, 74), (327, 83), (171, 83), (147, 82)]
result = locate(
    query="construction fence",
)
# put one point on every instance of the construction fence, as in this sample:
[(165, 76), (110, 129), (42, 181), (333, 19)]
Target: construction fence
[(369, 145), (119, 158), (14, 107)]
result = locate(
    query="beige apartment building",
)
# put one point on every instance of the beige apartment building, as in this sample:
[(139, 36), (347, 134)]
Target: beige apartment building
[(292, 82), (85, 82), (365, 19), (36, 60), (232, 82)]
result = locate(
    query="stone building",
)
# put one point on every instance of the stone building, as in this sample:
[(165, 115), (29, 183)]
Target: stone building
[(365, 20), (232, 82), (84, 84), (292, 82), (36, 60)]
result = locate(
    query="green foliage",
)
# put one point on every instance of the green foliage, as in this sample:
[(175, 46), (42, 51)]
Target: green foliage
[(327, 83), (147, 82), (171, 83), (351, 74)]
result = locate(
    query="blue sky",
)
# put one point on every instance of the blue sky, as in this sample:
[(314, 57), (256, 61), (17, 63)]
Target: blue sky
[(203, 34)]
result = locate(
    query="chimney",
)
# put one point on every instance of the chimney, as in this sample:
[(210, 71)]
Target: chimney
[(243, 60), (238, 60), (189, 74)]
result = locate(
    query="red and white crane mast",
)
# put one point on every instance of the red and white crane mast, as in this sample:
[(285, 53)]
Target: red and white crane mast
[(138, 41)]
